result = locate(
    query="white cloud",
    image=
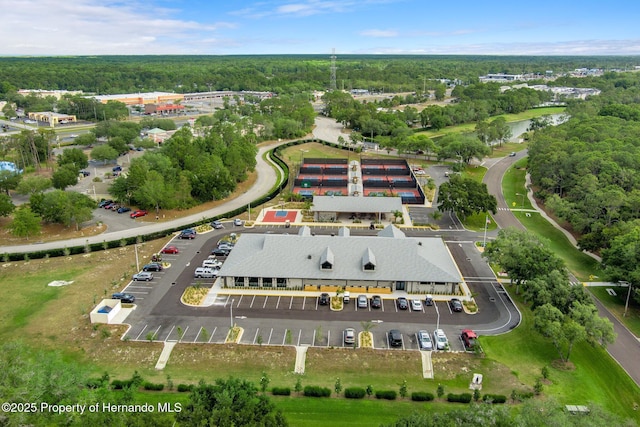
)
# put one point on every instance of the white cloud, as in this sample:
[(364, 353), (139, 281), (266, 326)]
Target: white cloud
[(379, 33), (306, 8), (47, 27)]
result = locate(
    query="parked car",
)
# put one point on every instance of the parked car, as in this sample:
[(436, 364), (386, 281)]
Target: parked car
[(455, 304), (349, 336), (212, 263), (238, 222), (153, 266), (115, 207), (226, 246), (402, 303), (440, 339), (189, 233), (512, 154), (205, 273), (424, 340), (123, 209), (143, 275), (428, 301), (469, 339), (324, 299), (125, 298), (220, 252), (85, 173), (116, 168), (395, 338), (138, 213), (108, 206), (346, 297), (217, 225), (170, 250), (376, 301), (362, 301), (416, 305)]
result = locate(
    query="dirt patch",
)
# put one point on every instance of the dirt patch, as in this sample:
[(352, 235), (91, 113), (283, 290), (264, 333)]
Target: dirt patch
[(562, 365), (50, 232)]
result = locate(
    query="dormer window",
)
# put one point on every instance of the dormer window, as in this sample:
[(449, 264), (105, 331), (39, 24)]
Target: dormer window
[(368, 260), (326, 259)]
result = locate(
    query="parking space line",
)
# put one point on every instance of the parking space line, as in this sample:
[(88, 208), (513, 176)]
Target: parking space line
[(252, 300), (299, 336), (278, 302), (381, 304), (270, 334), (304, 301), (255, 337), (155, 334), (212, 334), (184, 333), (284, 339), (239, 300), (195, 340), (266, 298), (313, 340), (227, 301), (328, 338), (143, 329), (169, 334), (291, 303)]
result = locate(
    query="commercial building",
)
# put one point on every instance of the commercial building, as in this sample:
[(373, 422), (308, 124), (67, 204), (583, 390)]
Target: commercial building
[(52, 118), (387, 262), (142, 98)]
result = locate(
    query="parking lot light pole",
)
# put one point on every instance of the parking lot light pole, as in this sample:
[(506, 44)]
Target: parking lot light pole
[(626, 305), (231, 312), (437, 311)]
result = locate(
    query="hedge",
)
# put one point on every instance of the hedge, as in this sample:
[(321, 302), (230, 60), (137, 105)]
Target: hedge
[(386, 394), (185, 387), (281, 391), (354, 392), (151, 386), (461, 398), (494, 398), (121, 384), (422, 396), (316, 391)]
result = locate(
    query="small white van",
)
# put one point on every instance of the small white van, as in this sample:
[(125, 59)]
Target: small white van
[(205, 273), (212, 263)]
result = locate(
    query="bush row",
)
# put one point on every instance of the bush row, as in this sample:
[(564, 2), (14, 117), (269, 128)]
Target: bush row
[(354, 392), (422, 396), (316, 391), (281, 391), (182, 388), (386, 394), (494, 398), (461, 398), (152, 386)]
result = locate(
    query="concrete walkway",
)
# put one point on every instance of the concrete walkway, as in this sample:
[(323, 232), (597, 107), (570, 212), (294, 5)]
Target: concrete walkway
[(301, 358), (427, 365), (164, 356)]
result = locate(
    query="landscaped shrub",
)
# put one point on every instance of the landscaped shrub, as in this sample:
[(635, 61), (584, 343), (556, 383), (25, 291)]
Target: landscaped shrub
[(185, 387), (94, 383), (386, 394), (494, 398), (354, 392), (121, 384), (461, 398), (151, 386), (422, 396), (316, 391), (281, 391)]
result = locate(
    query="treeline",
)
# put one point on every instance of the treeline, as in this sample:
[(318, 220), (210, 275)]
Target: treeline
[(277, 73)]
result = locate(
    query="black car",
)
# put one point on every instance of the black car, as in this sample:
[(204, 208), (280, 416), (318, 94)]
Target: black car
[(188, 234), (376, 301), (455, 304), (154, 266), (126, 298), (85, 173), (403, 304), (103, 203), (324, 299), (220, 252)]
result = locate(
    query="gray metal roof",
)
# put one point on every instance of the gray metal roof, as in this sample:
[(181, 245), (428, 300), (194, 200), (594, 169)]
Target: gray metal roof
[(356, 204), (424, 259)]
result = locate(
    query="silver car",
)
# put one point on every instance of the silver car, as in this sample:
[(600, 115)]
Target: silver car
[(362, 301), (440, 339), (143, 275), (424, 340), (349, 336)]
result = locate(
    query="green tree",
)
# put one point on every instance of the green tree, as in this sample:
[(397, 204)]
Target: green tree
[(73, 156), (9, 180), (153, 193), (65, 176), (231, 402), (104, 153), (25, 223), (6, 205), (85, 139), (31, 184), (622, 260), (465, 196)]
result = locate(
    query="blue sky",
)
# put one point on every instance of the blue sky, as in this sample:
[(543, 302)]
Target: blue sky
[(228, 27)]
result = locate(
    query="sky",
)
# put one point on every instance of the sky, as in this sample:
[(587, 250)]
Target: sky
[(230, 27)]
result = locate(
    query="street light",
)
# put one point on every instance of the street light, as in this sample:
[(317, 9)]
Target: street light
[(626, 305), (522, 205), (486, 222), (231, 312)]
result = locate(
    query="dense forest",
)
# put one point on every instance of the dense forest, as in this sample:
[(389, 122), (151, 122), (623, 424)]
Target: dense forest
[(280, 74)]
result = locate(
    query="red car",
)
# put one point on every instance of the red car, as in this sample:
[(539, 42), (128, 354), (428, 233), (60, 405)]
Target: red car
[(169, 250), (137, 214)]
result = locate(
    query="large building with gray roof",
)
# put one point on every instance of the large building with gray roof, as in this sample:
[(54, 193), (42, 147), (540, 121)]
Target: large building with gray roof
[(389, 261)]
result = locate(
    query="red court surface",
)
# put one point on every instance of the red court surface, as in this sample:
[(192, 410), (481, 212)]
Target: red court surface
[(280, 216)]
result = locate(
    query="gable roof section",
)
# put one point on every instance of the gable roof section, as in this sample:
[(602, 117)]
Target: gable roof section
[(368, 258), (391, 231)]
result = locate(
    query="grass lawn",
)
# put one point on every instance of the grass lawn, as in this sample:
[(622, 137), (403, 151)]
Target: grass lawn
[(596, 378), (616, 304), (583, 266), (470, 127)]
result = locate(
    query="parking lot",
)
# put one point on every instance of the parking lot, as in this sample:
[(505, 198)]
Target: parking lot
[(284, 319)]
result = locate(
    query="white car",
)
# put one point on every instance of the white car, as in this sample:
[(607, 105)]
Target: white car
[(416, 305), (143, 275), (238, 222), (212, 263), (424, 340), (440, 339)]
